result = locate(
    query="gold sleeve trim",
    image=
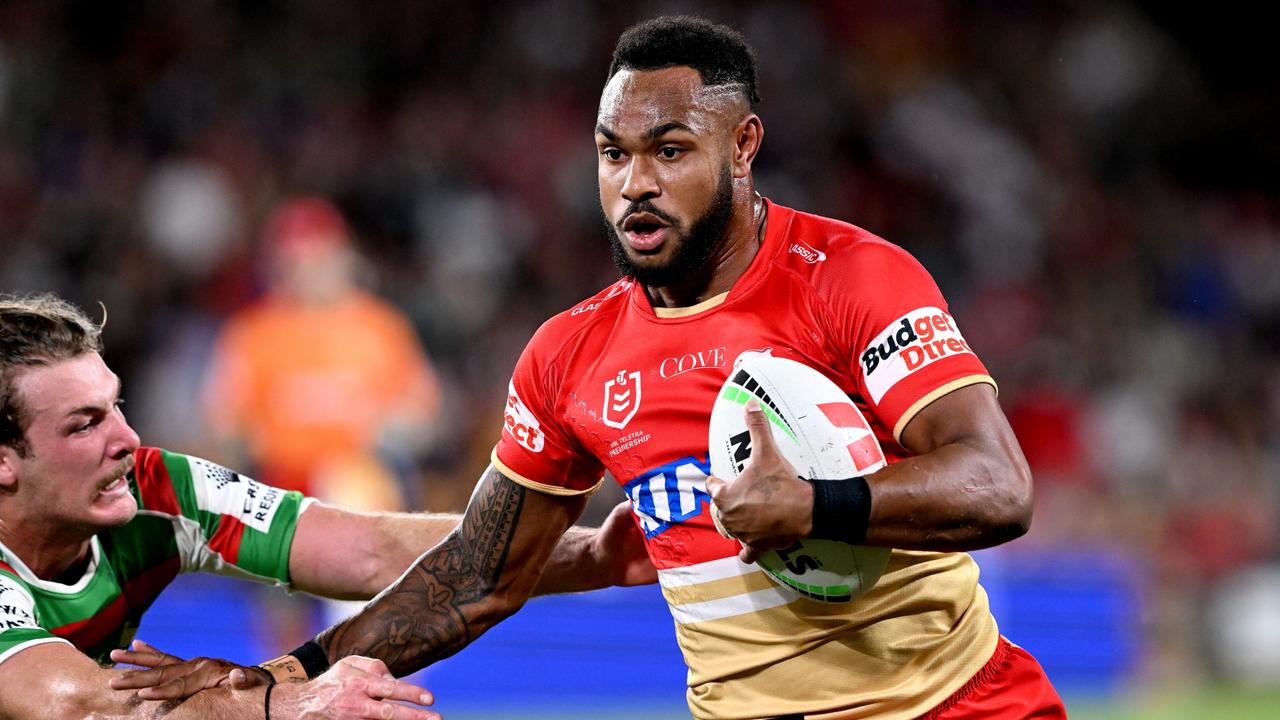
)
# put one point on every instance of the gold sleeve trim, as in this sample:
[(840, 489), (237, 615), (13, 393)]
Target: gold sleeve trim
[(534, 485), (920, 404), (665, 312)]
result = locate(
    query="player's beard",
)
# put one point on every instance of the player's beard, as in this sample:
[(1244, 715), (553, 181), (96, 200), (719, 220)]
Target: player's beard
[(691, 250)]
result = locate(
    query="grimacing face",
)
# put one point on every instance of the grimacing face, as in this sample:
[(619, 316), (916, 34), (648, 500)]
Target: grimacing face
[(79, 449), (664, 145)]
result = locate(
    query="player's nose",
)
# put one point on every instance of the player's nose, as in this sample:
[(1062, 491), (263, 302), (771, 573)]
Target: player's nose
[(124, 439), (641, 182)]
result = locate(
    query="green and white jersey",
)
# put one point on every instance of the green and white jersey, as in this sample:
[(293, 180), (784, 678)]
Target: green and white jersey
[(193, 516)]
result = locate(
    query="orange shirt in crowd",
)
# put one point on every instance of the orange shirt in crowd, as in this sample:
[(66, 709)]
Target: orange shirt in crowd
[(309, 388)]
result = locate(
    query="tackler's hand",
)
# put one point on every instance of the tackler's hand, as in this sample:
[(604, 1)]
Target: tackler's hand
[(768, 506), (618, 547), (169, 677), (355, 688)]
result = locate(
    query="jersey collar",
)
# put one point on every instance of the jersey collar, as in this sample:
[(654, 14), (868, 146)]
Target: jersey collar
[(24, 572)]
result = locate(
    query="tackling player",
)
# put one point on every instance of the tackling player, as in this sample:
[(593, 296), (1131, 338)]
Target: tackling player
[(624, 382), (93, 527)]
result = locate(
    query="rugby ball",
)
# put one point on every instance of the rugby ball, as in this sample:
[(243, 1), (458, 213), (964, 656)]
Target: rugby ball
[(823, 435)]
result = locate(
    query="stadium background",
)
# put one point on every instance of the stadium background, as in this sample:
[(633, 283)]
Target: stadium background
[(1093, 184)]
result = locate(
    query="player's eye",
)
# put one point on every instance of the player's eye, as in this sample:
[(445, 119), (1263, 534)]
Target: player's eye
[(670, 152), (612, 154)]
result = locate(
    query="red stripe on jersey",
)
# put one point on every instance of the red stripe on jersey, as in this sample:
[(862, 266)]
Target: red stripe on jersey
[(92, 630), (7, 567), (141, 589), (154, 484), (226, 539)]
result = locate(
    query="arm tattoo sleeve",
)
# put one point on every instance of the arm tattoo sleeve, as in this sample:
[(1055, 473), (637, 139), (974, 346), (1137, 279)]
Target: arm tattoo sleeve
[(420, 619)]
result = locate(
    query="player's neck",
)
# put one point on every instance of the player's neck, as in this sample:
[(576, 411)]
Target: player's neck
[(729, 262), (47, 557)]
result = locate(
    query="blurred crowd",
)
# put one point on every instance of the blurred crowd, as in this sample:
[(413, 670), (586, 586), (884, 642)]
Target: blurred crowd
[(1093, 185)]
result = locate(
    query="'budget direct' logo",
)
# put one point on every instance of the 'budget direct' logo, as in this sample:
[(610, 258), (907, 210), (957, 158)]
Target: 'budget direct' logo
[(919, 338), (520, 423)]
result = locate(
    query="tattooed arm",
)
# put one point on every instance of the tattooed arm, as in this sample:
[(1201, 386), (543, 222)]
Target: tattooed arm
[(481, 573), (351, 555)]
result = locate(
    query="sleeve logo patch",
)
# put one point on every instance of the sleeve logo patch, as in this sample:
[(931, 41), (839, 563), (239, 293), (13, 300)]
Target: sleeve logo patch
[(16, 609), (915, 340), (520, 424), (221, 491)]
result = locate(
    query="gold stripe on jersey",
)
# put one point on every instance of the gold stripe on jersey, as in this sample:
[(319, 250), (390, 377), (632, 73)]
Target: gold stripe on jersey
[(896, 652), (923, 402), (719, 589), (677, 312), (519, 479), (682, 595)]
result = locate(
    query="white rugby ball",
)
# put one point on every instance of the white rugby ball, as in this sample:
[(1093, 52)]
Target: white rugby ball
[(820, 432)]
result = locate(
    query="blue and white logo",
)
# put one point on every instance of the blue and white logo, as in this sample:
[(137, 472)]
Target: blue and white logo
[(669, 494)]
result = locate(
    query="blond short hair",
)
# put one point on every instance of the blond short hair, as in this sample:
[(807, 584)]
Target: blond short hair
[(37, 330)]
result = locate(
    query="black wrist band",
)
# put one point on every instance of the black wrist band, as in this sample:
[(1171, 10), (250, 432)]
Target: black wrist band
[(313, 658), (266, 700), (841, 510)]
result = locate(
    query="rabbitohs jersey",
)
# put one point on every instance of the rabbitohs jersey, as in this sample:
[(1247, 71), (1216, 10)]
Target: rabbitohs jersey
[(615, 384), (193, 516)]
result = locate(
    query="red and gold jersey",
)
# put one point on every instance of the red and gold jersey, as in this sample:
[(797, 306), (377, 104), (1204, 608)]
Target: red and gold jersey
[(615, 384)]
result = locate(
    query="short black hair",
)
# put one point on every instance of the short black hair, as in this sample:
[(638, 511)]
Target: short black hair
[(720, 54)]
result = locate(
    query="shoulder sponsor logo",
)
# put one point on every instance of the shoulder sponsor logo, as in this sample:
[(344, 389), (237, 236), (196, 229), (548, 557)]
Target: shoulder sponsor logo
[(16, 610), (621, 399), (520, 424), (807, 253), (913, 341), (221, 491), (618, 288), (15, 616), (701, 360)]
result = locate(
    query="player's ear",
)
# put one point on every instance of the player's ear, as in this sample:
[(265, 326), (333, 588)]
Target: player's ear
[(747, 136), (8, 468)]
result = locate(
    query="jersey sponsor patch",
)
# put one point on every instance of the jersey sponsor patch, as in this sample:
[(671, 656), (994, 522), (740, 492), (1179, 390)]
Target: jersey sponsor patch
[(521, 424), (913, 341), (670, 493), (16, 607), (222, 491)]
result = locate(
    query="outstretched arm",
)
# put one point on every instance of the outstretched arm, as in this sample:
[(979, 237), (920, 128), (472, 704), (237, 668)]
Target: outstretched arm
[(591, 558), (479, 574), (56, 681), (350, 555), (584, 559)]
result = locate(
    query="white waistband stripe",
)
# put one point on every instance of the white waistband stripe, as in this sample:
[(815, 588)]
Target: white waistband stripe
[(733, 605), (706, 572)]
